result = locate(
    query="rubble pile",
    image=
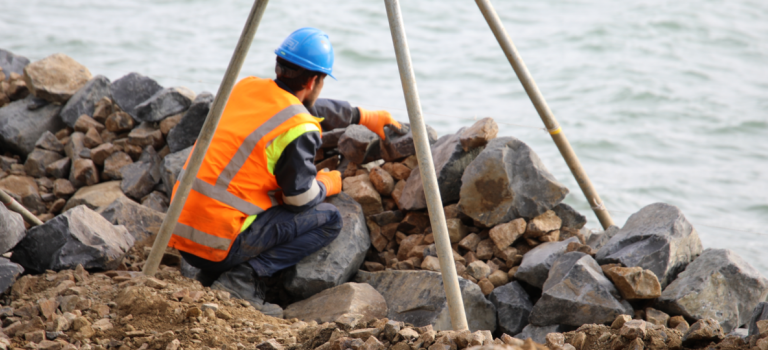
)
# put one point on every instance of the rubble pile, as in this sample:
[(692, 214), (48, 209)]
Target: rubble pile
[(96, 160)]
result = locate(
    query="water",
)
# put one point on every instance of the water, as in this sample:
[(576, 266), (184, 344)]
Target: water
[(662, 101)]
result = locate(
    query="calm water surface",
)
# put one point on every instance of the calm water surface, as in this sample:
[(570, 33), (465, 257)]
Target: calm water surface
[(663, 101)]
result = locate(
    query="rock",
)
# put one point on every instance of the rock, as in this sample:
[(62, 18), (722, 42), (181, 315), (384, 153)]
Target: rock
[(114, 164), (424, 303), (634, 283), (450, 161), (657, 238), (337, 262), (498, 278), (75, 145), (84, 101), (396, 146), (543, 224), (146, 135), (92, 139), (387, 217), (505, 234), (718, 285), (119, 122), (758, 314), (156, 201), (56, 78), (164, 103), (38, 160), (703, 332), (20, 128), (103, 108), (400, 171), (382, 181), (141, 177), (456, 230), (656, 317), (430, 263), (48, 141), (576, 293), (131, 90), (172, 165), (83, 173), (24, 189), (598, 239), (12, 228), (479, 134), (362, 191), (570, 217), (538, 333), (620, 321), (478, 269), (101, 153), (678, 322), (78, 236), (97, 196), (513, 306), (537, 262), (63, 188), (326, 306), (169, 123), (59, 169), (356, 143), (470, 242), (11, 63), (8, 272), (185, 133), (507, 180), (633, 329), (140, 221)]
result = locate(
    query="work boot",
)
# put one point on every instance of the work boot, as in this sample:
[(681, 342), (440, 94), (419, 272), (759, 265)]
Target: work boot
[(241, 283)]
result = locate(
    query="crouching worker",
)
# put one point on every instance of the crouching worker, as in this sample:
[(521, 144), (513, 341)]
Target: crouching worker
[(256, 206)]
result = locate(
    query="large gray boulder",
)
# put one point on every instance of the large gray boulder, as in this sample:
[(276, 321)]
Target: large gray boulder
[(337, 262), (12, 229), (536, 263), (9, 271), (758, 314), (78, 236), (506, 181), (165, 103), (140, 178), (399, 144), (184, 134), (571, 218), (719, 285), (513, 306), (657, 238), (418, 297), (577, 293), (20, 127), (172, 165), (140, 221), (450, 160), (539, 333), (11, 63), (84, 100), (131, 90)]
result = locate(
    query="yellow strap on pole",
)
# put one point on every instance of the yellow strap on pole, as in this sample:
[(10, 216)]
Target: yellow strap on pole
[(545, 113), (204, 139)]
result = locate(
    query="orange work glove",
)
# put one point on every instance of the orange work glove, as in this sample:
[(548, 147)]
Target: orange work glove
[(331, 180), (376, 121)]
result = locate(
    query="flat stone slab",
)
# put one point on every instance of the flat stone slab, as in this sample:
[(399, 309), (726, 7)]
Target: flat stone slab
[(348, 298)]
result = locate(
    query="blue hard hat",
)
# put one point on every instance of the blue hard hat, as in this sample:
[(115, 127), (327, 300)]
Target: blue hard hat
[(308, 48)]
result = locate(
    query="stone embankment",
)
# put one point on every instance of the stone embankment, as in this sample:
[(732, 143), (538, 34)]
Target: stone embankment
[(96, 160)]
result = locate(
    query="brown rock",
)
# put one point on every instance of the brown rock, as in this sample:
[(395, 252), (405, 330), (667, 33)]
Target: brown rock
[(400, 171), (96, 196), (505, 234), (102, 110), (63, 188), (330, 163), (633, 329), (35, 336), (407, 244), (348, 298), (398, 191), (703, 331), (456, 230), (101, 153), (357, 143), (479, 134), (114, 163), (677, 321), (119, 122), (107, 136), (634, 283), (24, 189), (49, 142), (485, 249), (430, 263), (543, 224), (382, 181), (59, 169), (38, 160), (498, 278), (57, 206), (362, 191), (84, 173), (414, 222), (452, 211), (74, 145), (168, 123), (485, 286), (85, 123), (470, 242), (92, 138), (478, 269), (552, 236), (146, 135), (56, 78), (378, 241), (656, 317)]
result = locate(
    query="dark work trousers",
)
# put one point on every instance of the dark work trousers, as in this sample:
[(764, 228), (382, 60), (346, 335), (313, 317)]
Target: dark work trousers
[(277, 239)]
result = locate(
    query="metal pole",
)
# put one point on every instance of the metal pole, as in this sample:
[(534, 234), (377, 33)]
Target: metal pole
[(13, 205), (426, 168), (544, 112), (204, 139)]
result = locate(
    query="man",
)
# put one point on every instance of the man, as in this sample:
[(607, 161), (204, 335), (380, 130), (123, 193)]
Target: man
[(256, 206)]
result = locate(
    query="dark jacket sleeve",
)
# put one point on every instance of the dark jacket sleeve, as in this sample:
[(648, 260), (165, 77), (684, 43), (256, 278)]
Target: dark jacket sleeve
[(337, 114), (295, 171)]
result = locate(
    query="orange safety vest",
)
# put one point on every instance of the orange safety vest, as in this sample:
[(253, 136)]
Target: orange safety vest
[(234, 182)]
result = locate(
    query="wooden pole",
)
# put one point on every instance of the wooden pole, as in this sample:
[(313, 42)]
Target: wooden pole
[(13, 205), (426, 168), (204, 139), (545, 113)]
